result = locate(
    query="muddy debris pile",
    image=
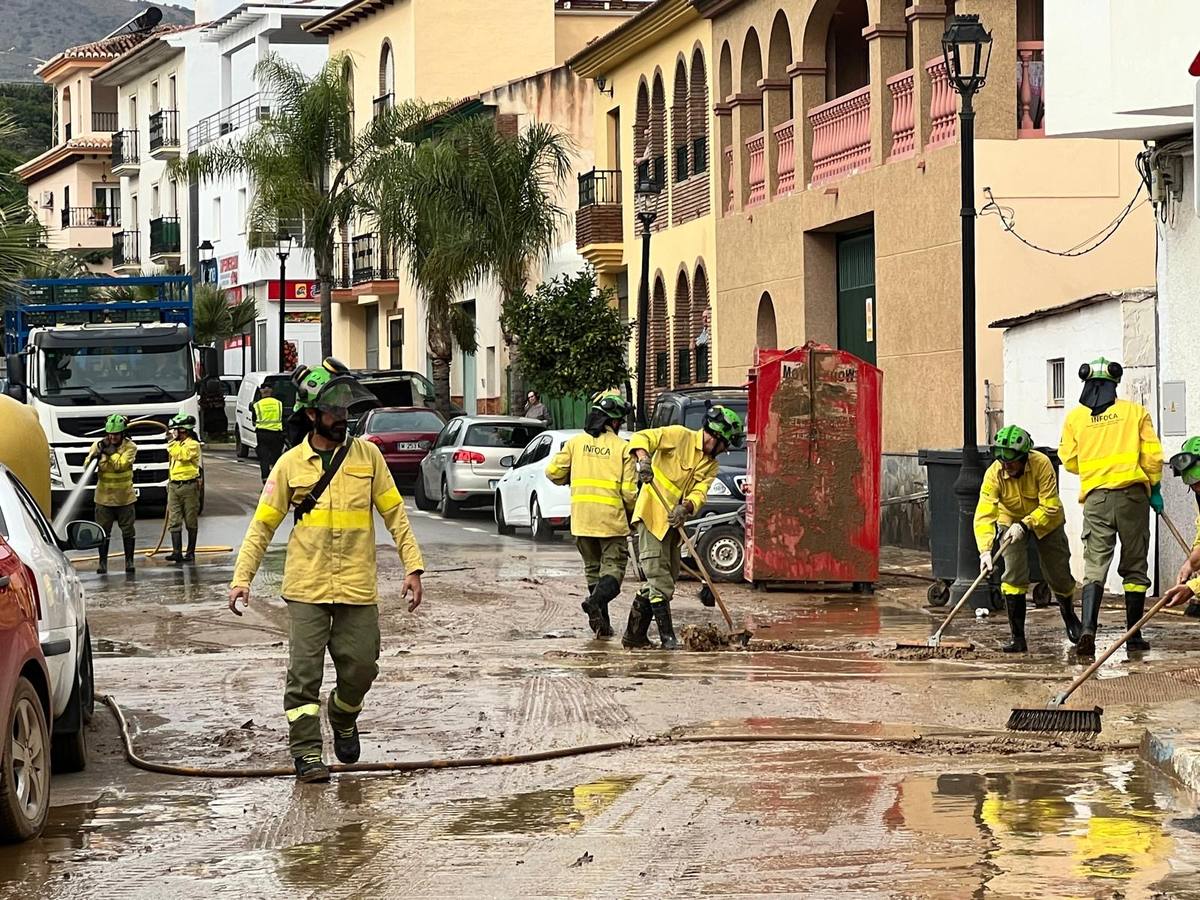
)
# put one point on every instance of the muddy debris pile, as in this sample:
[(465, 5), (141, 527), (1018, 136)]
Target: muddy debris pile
[(920, 653), (1000, 745), (708, 638)]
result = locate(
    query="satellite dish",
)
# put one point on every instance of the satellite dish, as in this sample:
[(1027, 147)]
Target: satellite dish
[(142, 22)]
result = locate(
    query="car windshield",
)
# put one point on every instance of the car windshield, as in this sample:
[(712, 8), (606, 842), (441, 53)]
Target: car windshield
[(414, 420), (283, 389), (100, 374), (409, 389), (693, 417), (512, 437)]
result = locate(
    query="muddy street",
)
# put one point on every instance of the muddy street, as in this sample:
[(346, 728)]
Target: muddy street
[(927, 796)]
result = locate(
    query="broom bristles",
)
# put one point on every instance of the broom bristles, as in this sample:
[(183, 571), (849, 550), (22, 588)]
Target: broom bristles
[(1052, 720)]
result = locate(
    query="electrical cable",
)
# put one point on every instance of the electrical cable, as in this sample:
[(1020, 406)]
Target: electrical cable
[(1008, 220)]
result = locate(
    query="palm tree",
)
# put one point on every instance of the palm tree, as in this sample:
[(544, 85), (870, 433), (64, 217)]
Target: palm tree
[(20, 233), (303, 161), (211, 321)]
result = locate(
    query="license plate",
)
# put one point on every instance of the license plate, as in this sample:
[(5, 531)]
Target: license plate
[(492, 482), (408, 445)]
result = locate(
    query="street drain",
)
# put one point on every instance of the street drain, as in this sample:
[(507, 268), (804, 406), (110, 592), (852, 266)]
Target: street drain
[(1143, 688)]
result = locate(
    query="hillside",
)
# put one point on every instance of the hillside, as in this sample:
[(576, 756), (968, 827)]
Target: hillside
[(38, 29)]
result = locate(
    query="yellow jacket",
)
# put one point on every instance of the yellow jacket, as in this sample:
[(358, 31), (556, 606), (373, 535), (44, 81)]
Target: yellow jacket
[(682, 471), (331, 552), (1112, 450), (603, 484), (267, 414), (1031, 500), (184, 458), (114, 483)]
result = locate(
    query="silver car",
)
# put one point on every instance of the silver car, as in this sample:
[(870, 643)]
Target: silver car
[(463, 467)]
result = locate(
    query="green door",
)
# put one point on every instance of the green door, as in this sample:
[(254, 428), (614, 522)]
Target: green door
[(856, 294)]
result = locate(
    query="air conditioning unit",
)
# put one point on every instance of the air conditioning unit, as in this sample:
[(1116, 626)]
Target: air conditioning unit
[(46, 201)]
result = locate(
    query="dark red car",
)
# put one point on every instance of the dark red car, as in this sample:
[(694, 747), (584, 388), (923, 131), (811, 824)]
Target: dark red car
[(24, 705), (404, 434)]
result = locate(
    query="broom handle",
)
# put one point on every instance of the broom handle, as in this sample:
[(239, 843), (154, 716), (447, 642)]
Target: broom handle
[(966, 595), (687, 542), (1175, 531), (1091, 670)]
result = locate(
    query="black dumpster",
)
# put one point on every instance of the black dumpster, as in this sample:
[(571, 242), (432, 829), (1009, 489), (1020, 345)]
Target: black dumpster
[(942, 471)]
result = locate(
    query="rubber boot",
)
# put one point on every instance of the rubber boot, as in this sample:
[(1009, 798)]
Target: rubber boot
[(190, 556), (638, 625), (176, 554), (606, 629), (128, 540), (666, 628), (592, 609), (1066, 606), (1135, 608), (102, 563), (606, 590), (310, 769), (1014, 605), (1089, 601)]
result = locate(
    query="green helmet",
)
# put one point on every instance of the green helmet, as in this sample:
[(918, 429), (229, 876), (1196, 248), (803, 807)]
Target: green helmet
[(331, 387), (723, 423), (611, 404), (1101, 368), (1186, 463), (1013, 442), (116, 424), (183, 420)]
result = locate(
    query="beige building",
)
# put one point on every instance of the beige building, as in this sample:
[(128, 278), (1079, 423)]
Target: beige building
[(448, 50)]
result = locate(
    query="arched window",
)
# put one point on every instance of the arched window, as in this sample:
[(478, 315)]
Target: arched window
[(847, 59), (660, 358), (767, 335), (753, 135), (680, 138), (698, 114), (701, 327), (66, 114), (779, 55), (682, 321), (658, 146), (726, 174), (348, 79), (387, 73), (751, 75), (641, 130)]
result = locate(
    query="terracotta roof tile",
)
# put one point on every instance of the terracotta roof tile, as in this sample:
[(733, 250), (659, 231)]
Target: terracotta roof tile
[(112, 47)]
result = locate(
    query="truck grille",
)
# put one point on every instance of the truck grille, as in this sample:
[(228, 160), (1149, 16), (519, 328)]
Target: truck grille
[(82, 426), (146, 456)]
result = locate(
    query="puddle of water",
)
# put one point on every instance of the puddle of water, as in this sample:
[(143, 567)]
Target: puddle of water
[(562, 809)]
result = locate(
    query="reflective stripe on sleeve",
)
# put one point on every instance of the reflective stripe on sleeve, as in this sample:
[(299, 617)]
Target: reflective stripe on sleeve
[(268, 514), (388, 500)]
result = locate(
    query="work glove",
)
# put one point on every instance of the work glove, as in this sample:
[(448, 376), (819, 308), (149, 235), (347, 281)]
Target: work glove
[(677, 516), (985, 563), (1016, 531), (1156, 500), (645, 471)]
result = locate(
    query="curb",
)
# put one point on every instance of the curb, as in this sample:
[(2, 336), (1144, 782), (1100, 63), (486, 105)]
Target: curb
[(1167, 754)]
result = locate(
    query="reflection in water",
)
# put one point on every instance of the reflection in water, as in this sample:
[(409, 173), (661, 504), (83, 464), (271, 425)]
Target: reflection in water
[(564, 809)]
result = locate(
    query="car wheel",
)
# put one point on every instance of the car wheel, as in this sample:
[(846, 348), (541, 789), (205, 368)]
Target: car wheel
[(243, 452), (502, 526), (723, 550), (24, 766), (69, 748), (540, 527), (87, 694), (938, 594), (449, 507), (420, 497)]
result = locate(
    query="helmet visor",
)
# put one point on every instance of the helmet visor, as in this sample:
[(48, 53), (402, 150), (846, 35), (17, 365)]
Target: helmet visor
[(1008, 454), (1187, 467), (344, 397)]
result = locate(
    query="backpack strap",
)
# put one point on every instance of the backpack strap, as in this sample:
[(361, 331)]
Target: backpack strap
[(309, 503)]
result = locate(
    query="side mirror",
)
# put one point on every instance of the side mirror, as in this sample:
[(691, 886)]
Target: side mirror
[(17, 392), (83, 535), (508, 461), (16, 370)]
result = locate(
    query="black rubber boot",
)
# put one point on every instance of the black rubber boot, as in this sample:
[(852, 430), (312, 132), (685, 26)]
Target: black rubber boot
[(606, 629), (176, 554), (1192, 611), (346, 746), (102, 562), (1135, 608), (129, 541), (1093, 594), (592, 609), (1015, 606), (596, 606), (707, 597), (638, 625), (666, 628), (311, 769), (190, 556), (1066, 606)]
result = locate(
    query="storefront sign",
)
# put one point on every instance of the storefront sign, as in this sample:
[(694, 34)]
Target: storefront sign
[(296, 290), (227, 268)]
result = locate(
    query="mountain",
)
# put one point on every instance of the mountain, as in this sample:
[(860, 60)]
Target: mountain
[(35, 30)]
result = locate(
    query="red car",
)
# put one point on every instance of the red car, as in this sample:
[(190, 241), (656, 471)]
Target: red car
[(24, 705), (404, 434)]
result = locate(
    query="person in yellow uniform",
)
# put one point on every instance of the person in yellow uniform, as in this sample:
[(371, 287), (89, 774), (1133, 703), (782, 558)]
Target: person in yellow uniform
[(115, 497), (599, 468), (333, 485), (1113, 448), (267, 414), (1186, 466), (183, 486), (1020, 495), (681, 463)]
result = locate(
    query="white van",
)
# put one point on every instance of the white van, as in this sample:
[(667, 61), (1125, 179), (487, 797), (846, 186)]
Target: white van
[(283, 390)]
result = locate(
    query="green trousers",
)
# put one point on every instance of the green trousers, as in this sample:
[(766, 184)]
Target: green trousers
[(1054, 553), (124, 516), (350, 631), (183, 505), (1108, 515), (660, 562), (603, 556)]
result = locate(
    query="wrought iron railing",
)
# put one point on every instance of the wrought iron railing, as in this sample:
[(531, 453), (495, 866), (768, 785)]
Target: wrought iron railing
[(164, 130), (164, 236), (91, 217), (600, 187), (127, 248), (371, 259), (124, 149), (230, 119)]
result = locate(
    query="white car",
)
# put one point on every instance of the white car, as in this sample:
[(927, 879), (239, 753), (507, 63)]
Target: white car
[(62, 624), (244, 437)]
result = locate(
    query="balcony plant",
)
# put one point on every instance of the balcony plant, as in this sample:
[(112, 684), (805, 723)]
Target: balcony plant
[(99, 216)]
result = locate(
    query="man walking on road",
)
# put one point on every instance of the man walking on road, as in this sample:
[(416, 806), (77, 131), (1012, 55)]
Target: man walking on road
[(1020, 494), (267, 415), (1111, 444), (115, 496), (599, 468), (332, 484), (183, 487), (681, 464)]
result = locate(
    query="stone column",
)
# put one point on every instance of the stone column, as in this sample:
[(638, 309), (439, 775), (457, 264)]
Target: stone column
[(886, 46), (747, 113), (722, 138), (808, 91), (929, 24), (777, 109)]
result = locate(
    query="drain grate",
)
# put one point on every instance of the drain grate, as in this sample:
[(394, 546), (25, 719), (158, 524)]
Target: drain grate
[(1142, 688)]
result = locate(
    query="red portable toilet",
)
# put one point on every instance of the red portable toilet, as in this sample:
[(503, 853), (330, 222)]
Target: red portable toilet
[(815, 446)]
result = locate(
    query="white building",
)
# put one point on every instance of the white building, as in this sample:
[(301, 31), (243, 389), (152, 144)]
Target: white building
[(1121, 70), (1043, 351)]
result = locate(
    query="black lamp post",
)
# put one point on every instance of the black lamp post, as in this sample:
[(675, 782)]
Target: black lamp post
[(967, 48), (206, 262), (645, 197), (283, 247)]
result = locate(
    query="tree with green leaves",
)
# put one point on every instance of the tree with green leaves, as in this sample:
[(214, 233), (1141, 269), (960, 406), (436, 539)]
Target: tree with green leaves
[(573, 338), (21, 235)]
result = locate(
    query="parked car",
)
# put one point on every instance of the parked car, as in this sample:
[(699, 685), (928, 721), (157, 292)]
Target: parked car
[(463, 467), (404, 434), (687, 406), (249, 393), (400, 387), (24, 705), (525, 496), (231, 385)]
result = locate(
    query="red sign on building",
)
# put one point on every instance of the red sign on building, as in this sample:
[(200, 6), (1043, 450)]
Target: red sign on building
[(296, 290)]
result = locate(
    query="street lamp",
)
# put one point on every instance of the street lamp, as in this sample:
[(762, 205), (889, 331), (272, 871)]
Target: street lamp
[(967, 49), (283, 247), (206, 262), (645, 204)]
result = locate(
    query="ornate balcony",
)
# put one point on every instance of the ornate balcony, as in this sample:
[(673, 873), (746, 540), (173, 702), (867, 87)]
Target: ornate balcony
[(756, 148), (841, 135), (904, 120), (164, 134), (785, 143), (943, 105), (598, 222), (125, 159), (1031, 96)]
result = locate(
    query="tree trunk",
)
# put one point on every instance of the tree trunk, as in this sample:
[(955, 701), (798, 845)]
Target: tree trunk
[(516, 387), (440, 354), (326, 279)]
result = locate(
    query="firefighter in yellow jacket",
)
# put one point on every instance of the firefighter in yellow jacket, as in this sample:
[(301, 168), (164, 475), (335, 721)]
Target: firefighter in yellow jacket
[(183, 486), (598, 466), (1111, 444), (333, 485), (1020, 495), (115, 496), (681, 463)]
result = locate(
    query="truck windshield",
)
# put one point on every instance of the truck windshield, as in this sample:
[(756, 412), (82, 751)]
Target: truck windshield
[(90, 375)]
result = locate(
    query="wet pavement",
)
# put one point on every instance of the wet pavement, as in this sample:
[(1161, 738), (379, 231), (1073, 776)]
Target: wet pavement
[(499, 661)]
